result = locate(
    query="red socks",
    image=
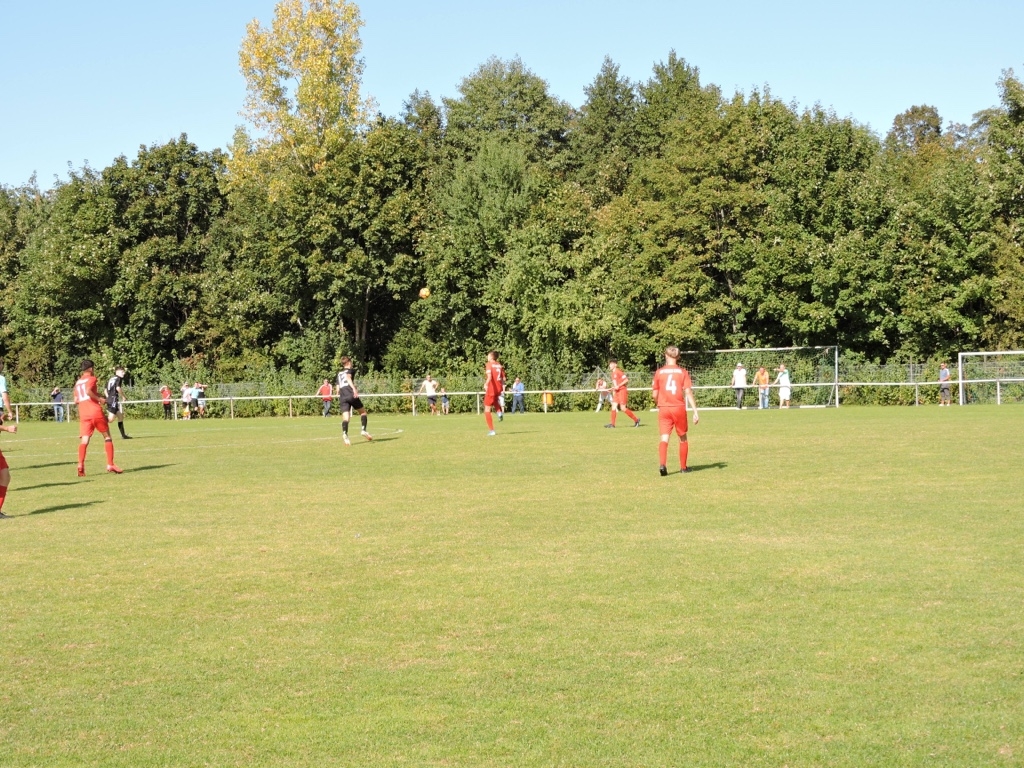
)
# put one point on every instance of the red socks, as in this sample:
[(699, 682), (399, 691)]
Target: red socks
[(490, 420), (631, 415), (3, 495), (684, 450), (614, 414), (109, 446), (662, 453), (81, 454)]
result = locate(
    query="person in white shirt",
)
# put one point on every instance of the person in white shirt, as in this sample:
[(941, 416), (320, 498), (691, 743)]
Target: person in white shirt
[(784, 387), (739, 383), (604, 395), (429, 388)]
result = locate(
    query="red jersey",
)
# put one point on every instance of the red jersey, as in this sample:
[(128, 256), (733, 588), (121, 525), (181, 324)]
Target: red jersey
[(495, 378), (325, 392), (87, 406), (619, 379), (670, 385), (165, 393)]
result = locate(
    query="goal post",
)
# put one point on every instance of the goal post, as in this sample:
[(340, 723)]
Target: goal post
[(813, 374), (991, 376)]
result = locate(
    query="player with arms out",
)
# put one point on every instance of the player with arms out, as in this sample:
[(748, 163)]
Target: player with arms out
[(5, 471), (672, 390), (348, 400), (115, 400), (494, 386), (620, 394), (91, 418)]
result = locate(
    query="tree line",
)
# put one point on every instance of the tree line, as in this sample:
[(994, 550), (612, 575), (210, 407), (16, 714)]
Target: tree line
[(662, 211)]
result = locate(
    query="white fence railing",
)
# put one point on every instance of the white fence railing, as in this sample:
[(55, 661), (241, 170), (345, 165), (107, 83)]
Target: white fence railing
[(546, 395)]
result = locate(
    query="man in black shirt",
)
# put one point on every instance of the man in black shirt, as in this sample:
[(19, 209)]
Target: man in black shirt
[(115, 400), (348, 399)]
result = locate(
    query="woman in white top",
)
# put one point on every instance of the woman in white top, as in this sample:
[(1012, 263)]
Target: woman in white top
[(784, 387)]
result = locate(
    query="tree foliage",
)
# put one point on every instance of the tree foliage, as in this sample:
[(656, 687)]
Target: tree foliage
[(660, 211)]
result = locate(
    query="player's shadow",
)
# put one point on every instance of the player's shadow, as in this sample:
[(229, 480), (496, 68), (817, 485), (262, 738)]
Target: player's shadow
[(148, 467), (702, 467), (45, 466), (63, 507), (47, 485)]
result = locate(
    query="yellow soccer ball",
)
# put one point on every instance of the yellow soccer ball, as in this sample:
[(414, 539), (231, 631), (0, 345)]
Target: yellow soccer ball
[(424, 293)]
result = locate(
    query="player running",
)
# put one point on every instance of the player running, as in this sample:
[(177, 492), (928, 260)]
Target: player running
[(494, 386), (348, 400), (91, 418), (5, 472), (115, 400), (620, 394), (673, 391)]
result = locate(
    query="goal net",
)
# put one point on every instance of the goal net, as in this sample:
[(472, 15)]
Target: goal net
[(813, 375), (991, 377)]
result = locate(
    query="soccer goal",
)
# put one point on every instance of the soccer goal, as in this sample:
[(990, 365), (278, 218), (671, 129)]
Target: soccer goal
[(813, 375), (991, 377)]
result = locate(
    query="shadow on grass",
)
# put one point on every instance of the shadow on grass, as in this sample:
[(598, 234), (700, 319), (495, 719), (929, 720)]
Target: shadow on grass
[(702, 467), (45, 466), (62, 508), (47, 485), (377, 440), (149, 467)]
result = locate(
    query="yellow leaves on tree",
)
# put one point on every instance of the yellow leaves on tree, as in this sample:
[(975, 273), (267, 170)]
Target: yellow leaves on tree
[(302, 80)]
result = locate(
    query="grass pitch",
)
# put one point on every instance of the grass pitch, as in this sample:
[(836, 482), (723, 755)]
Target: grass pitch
[(836, 588)]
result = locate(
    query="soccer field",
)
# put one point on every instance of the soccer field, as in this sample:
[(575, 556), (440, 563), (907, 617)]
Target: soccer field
[(832, 587)]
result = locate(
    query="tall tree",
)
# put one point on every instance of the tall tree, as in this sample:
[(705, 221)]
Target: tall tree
[(1004, 130), (603, 137), (504, 100)]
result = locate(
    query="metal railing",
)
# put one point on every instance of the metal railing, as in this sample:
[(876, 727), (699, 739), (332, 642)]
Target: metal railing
[(547, 396)]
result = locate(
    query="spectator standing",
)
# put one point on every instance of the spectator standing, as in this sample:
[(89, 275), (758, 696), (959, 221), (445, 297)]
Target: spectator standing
[(429, 388), (604, 395), (518, 396), (186, 401), (200, 398), (165, 398), (326, 393), (944, 386), (193, 396), (784, 387), (58, 404), (761, 379), (445, 402), (739, 383)]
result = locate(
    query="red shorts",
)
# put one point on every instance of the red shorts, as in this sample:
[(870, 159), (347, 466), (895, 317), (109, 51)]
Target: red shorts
[(3, 461), (92, 422), (669, 418), (621, 397), (491, 400)]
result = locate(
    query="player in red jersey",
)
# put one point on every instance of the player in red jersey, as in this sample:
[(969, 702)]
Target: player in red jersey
[(620, 394), (672, 390), (91, 418), (5, 471), (494, 385)]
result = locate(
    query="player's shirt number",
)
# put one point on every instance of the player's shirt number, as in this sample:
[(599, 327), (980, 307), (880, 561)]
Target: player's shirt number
[(671, 386)]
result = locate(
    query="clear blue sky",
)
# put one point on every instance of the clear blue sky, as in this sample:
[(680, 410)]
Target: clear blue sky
[(86, 81)]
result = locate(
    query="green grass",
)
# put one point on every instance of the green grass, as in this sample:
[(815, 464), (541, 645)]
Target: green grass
[(837, 588)]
